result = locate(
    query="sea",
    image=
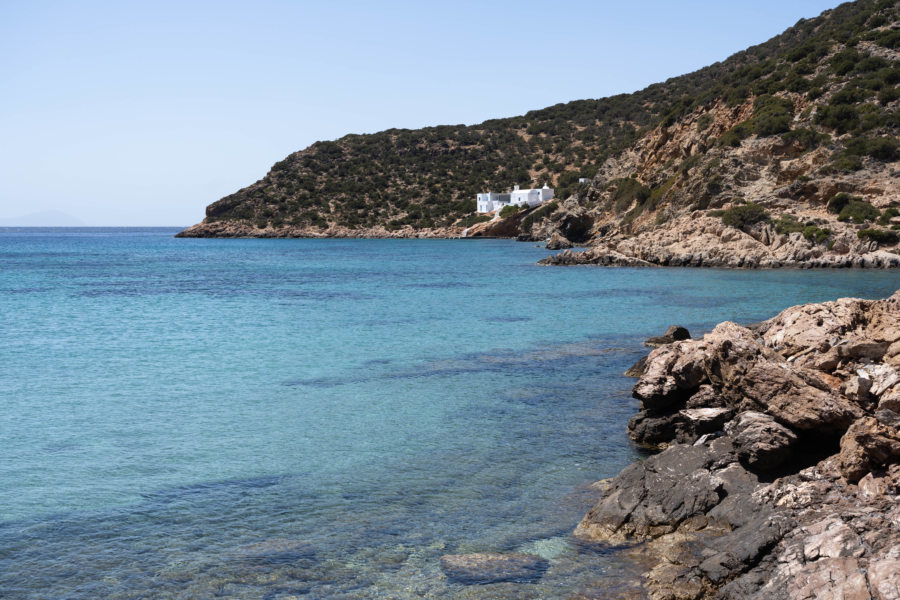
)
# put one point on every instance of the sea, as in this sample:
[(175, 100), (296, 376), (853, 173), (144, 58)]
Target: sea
[(274, 419)]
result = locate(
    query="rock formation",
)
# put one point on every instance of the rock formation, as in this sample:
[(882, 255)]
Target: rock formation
[(779, 475), (698, 240)]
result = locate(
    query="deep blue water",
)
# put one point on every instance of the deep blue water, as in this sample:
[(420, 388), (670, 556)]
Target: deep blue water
[(323, 418)]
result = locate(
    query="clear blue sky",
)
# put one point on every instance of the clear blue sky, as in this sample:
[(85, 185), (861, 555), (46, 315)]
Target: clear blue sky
[(142, 113)]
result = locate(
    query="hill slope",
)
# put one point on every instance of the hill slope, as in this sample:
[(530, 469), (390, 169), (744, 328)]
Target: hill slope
[(793, 121)]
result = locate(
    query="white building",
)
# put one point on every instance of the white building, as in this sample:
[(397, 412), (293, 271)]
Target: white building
[(491, 201)]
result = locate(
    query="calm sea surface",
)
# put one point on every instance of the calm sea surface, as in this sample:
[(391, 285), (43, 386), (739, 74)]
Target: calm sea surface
[(324, 418)]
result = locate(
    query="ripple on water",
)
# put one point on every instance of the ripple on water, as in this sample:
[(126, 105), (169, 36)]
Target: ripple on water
[(433, 402)]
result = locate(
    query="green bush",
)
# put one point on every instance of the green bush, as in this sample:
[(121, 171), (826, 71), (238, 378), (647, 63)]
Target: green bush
[(771, 115), (878, 235), (469, 221), (540, 213), (816, 234), (842, 118), (509, 210), (889, 38), (880, 148), (787, 224), (733, 136), (628, 190), (744, 215), (887, 215), (844, 61), (843, 162), (859, 211), (839, 201), (806, 138)]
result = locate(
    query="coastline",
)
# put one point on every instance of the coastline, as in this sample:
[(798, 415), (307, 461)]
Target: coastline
[(695, 240), (221, 229), (778, 465)]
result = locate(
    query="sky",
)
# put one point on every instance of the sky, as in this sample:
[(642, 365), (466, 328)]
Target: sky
[(143, 113)]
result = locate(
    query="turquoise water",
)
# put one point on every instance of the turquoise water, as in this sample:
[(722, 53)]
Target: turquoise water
[(323, 418)]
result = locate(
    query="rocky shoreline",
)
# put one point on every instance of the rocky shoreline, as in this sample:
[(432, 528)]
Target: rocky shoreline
[(696, 240), (226, 229), (699, 240), (779, 470)]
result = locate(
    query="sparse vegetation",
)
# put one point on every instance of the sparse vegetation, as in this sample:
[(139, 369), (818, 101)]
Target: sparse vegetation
[(815, 233), (807, 139), (744, 215), (839, 201), (887, 215), (509, 210), (888, 238), (787, 224), (858, 211), (539, 213), (627, 191), (428, 177)]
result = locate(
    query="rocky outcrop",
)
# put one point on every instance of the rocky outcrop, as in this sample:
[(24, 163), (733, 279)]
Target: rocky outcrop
[(594, 256), (779, 470), (675, 333), (240, 229), (699, 240), (558, 242)]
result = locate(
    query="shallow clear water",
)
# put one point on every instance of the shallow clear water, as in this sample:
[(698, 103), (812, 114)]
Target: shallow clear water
[(323, 418)]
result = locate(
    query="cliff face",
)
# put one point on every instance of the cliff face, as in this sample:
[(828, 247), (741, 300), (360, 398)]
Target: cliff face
[(780, 476), (787, 125)]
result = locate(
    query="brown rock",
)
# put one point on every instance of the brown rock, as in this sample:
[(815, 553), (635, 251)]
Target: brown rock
[(761, 442), (830, 579), (869, 444), (884, 579), (558, 242), (781, 391), (637, 369), (831, 538)]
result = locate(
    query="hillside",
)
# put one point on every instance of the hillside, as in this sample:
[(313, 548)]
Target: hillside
[(785, 125)]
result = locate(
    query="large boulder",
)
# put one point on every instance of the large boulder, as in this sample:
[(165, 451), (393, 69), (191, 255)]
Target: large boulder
[(655, 496), (558, 242), (761, 442), (870, 443), (795, 398)]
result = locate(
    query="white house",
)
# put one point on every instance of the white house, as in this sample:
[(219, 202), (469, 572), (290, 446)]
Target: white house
[(491, 201)]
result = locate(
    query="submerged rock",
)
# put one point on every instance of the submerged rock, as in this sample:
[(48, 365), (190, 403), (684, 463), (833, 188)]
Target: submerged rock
[(276, 551), (493, 567)]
